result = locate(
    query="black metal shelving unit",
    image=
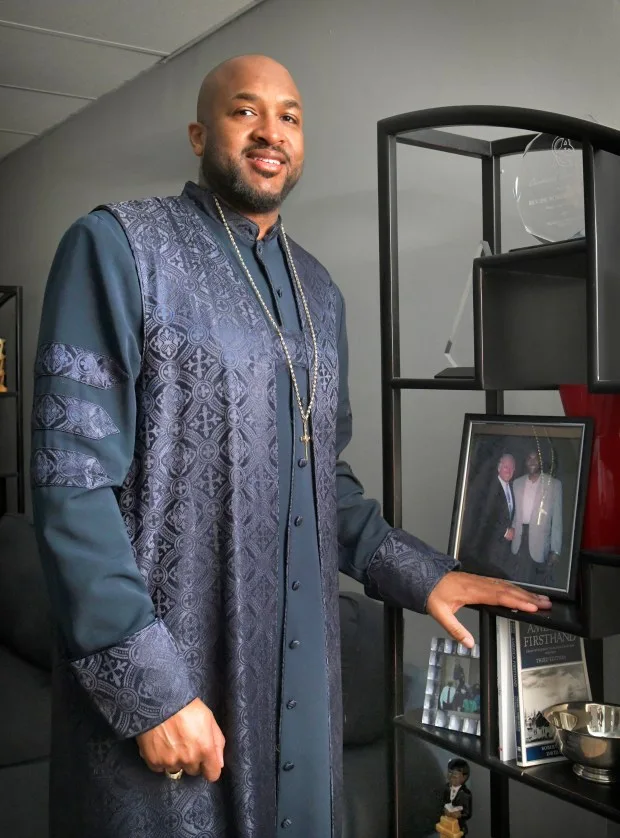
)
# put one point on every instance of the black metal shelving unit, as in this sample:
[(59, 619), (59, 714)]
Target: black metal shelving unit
[(12, 295), (588, 292)]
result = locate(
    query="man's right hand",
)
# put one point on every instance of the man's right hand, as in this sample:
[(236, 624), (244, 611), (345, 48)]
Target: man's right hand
[(190, 740)]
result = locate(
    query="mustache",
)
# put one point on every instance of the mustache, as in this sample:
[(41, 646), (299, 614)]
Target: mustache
[(266, 147)]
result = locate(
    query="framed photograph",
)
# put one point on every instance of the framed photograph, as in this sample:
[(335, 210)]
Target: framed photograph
[(519, 501), (452, 695)]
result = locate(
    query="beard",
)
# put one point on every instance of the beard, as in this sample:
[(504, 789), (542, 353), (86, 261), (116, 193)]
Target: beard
[(225, 177)]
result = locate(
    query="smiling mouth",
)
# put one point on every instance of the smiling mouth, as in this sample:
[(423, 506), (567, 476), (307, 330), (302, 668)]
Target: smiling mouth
[(270, 162)]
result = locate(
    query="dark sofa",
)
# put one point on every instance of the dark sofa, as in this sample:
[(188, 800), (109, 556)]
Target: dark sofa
[(365, 759), (25, 683), (25, 675)]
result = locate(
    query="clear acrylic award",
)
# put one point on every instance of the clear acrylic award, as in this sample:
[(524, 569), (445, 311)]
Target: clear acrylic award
[(549, 189)]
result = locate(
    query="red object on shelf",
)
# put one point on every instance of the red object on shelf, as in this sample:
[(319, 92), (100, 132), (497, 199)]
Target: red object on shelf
[(601, 527)]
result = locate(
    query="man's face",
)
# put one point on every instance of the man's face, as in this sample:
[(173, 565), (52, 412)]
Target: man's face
[(532, 463), (253, 150), (506, 469), (456, 777)]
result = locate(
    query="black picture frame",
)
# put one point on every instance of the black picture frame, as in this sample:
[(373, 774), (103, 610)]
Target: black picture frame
[(541, 554)]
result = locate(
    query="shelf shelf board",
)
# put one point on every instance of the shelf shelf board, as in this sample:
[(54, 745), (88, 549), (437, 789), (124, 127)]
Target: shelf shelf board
[(556, 778), (435, 384), (5, 475), (563, 616), (10, 394), (600, 557), (466, 746), (521, 256), (559, 780), (456, 383)]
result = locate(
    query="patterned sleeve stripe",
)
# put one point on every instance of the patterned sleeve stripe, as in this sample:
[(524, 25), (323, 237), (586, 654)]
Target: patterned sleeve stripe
[(404, 571), (139, 683), (53, 412), (79, 364), (55, 467)]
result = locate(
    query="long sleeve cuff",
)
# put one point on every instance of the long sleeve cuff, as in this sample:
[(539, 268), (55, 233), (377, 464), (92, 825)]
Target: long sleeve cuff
[(139, 683), (404, 571)]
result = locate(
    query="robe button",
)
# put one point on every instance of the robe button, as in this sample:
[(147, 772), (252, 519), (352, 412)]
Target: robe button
[(294, 644), (292, 704), (286, 823), (302, 462), (279, 292), (288, 766), (296, 585), (298, 521)]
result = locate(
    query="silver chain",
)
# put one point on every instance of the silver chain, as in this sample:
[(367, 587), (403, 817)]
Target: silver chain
[(305, 414)]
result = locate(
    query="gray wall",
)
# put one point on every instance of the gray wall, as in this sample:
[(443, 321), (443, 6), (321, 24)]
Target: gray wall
[(355, 63)]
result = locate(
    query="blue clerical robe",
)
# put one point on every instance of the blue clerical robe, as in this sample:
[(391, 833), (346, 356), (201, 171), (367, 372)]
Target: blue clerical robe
[(185, 532)]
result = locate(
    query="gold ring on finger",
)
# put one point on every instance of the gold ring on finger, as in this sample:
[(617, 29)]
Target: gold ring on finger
[(174, 775)]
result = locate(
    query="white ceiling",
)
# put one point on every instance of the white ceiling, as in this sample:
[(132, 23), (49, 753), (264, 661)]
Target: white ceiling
[(56, 56)]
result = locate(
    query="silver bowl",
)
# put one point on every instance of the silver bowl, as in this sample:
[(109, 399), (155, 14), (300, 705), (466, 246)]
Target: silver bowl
[(588, 734)]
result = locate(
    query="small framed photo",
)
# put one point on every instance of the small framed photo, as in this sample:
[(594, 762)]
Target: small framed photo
[(519, 500), (452, 694)]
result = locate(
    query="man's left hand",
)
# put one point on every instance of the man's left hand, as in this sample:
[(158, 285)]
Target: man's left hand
[(458, 589)]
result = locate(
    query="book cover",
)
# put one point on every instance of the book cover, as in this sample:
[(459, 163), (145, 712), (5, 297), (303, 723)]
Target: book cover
[(548, 667)]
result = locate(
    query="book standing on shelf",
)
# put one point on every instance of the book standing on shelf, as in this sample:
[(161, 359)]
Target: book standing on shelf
[(548, 667), (505, 695)]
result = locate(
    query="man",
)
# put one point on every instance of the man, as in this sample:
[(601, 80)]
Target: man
[(472, 703), (487, 527), (447, 696), (537, 541), (190, 411)]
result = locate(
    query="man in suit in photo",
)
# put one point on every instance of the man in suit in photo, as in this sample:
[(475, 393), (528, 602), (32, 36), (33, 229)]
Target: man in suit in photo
[(487, 529), (447, 696), (537, 541)]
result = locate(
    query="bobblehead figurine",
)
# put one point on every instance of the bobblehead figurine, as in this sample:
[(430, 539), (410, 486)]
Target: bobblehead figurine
[(456, 800)]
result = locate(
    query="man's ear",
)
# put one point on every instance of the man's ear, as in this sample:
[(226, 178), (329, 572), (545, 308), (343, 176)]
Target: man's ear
[(197, 133)]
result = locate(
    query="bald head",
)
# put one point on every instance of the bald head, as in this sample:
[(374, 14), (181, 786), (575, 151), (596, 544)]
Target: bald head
[(233, 73), (249, 134)]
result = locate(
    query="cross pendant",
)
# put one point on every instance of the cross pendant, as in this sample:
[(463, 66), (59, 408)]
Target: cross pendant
[(306, 440), (541, 512)]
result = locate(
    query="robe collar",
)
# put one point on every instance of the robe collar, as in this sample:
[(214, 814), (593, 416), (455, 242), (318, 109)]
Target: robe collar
[(241, 226)]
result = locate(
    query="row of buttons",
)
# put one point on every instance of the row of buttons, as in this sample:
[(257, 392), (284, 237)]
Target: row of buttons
[(259, 251), (294, 644)]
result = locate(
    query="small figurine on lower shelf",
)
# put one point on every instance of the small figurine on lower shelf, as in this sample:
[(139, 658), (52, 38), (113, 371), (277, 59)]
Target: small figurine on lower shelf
[(2, 372), (456, 801)]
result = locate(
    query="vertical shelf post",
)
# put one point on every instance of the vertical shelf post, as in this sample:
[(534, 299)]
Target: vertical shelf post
[(19, 403), (392, 475), (494, 404)]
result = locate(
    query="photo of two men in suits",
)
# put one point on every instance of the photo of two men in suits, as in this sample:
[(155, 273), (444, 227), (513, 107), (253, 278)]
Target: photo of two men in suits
[(518, 510)]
